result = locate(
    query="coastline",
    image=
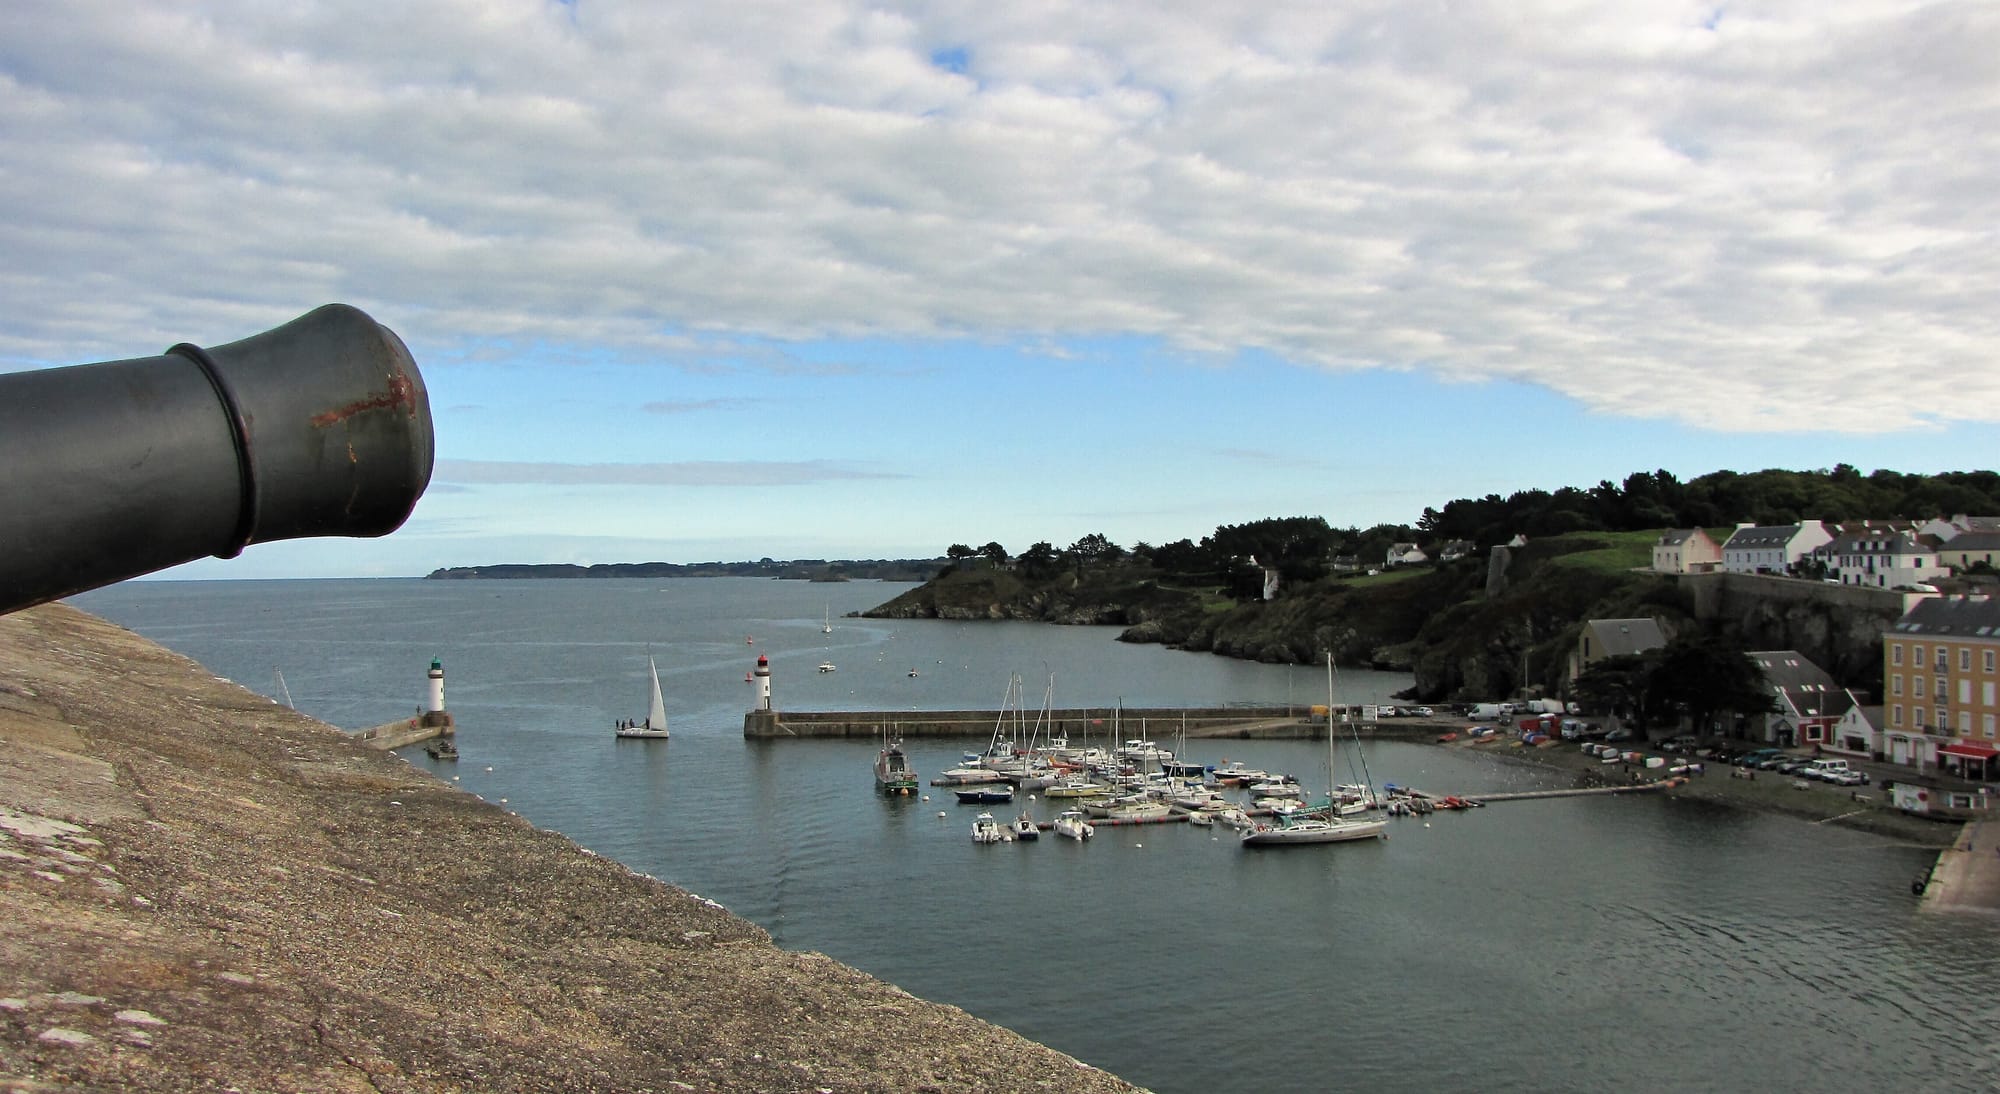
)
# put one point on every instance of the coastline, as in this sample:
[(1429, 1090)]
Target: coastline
[(202, 889), (1860, 808)]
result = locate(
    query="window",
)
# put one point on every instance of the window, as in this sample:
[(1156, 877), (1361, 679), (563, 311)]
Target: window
[(1917, 715), (1916, 655), (1965, 723), (1986, 660), (1964, 692), (1986, 725), (1895, 653), (1896, 686), (1965, 659), (1986, 694), (1896, 715)]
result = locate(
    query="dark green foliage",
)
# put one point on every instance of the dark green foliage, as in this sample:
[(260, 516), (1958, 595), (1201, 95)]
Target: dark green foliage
[(1659, 500)]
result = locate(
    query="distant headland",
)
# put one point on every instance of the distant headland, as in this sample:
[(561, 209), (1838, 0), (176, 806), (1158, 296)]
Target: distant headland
[(803, 569)]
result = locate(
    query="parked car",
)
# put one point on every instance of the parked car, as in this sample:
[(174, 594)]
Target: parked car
[(1682, 743), (1849, 777), (1422, 712), (1619, 735)]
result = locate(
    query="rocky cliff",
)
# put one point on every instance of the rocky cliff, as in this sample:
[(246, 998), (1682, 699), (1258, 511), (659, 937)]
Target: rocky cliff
[(1478, 629)]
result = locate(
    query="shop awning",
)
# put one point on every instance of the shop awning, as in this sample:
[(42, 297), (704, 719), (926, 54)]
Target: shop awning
[(1970, 751)]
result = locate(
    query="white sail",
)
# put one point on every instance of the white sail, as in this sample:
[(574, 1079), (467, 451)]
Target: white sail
[(656, 715)]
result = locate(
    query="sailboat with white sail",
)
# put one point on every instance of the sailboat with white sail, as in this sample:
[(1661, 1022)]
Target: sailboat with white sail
[(1332, 827), (654, 728)]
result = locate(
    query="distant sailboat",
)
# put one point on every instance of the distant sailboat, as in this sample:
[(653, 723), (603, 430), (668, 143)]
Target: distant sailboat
[(655, 725), (826, 620)]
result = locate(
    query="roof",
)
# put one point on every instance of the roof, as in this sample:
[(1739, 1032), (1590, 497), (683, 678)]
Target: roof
[(1970, 750), (1806, 685), (1673, 536), (1626, 636), (1874, 543), (1763, 535), (1952, 617), (1973, 541)]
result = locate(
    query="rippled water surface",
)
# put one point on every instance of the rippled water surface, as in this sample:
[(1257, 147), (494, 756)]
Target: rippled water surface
[(1567, 944)]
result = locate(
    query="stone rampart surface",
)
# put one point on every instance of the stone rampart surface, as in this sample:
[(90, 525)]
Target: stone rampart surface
[(201, 890)]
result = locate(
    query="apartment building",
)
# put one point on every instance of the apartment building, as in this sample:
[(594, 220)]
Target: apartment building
[(1941, 673)]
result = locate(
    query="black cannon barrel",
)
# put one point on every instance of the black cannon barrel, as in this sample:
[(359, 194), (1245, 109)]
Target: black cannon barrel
[(320, 427)]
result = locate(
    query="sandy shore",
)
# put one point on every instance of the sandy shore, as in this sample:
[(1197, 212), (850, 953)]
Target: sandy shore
[(201, 890)]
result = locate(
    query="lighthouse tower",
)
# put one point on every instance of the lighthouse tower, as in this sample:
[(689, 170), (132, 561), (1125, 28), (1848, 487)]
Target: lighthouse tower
[(433, 715), (436, 703), (763, 675)]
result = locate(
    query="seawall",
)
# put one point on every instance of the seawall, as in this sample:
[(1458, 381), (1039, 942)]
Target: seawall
[(203, 890)]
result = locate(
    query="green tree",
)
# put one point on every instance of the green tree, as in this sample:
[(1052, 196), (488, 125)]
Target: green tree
[(1700, 676), (1615, 684), (995, 553), (1039, 560)]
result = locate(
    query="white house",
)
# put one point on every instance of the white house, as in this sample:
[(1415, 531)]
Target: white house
[(1771, 548), (1881, 560), (1685, 551), (1949, 528), (1406, 554), (1968, 549)]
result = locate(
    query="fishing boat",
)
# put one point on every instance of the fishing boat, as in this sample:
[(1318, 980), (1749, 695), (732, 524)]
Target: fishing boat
[(993, 794), (1070, 823), (1328, 827), (987, 830), (655, 726), (892, 770), (441, 748), (826, 666)]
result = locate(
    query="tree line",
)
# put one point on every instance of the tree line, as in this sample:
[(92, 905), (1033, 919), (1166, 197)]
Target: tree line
[(1302, 549)]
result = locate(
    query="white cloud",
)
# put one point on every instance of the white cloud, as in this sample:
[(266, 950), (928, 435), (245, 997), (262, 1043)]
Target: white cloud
[(1754, 217)]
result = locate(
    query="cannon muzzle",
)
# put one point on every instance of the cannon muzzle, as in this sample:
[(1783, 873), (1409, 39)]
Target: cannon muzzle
[(320, 427)]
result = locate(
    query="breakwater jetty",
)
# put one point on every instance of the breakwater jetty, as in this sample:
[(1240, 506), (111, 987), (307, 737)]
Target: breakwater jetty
[(201, 889), (1081, 724)]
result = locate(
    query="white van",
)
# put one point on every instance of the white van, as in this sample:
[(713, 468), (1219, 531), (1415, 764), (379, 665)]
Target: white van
[(1824, 770)]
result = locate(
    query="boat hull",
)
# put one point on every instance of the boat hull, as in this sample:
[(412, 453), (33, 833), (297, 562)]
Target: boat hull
[(1313, 832)]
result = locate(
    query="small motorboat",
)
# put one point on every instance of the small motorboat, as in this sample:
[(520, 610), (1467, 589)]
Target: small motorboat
[(826, 666), (441, 748), (1025, 827), (991, 794), (1070, 823), (987, 830)]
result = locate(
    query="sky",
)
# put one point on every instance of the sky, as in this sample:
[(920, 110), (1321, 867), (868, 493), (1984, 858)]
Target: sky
[(819, 279)]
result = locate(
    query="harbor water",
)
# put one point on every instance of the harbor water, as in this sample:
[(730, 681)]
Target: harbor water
[(1637, 942)]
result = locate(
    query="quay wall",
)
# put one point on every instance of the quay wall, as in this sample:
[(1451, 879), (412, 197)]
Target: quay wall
[(409, 731), (1083, 726)]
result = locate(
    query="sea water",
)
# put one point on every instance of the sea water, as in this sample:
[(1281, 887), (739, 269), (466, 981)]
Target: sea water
[(1634, 942)]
